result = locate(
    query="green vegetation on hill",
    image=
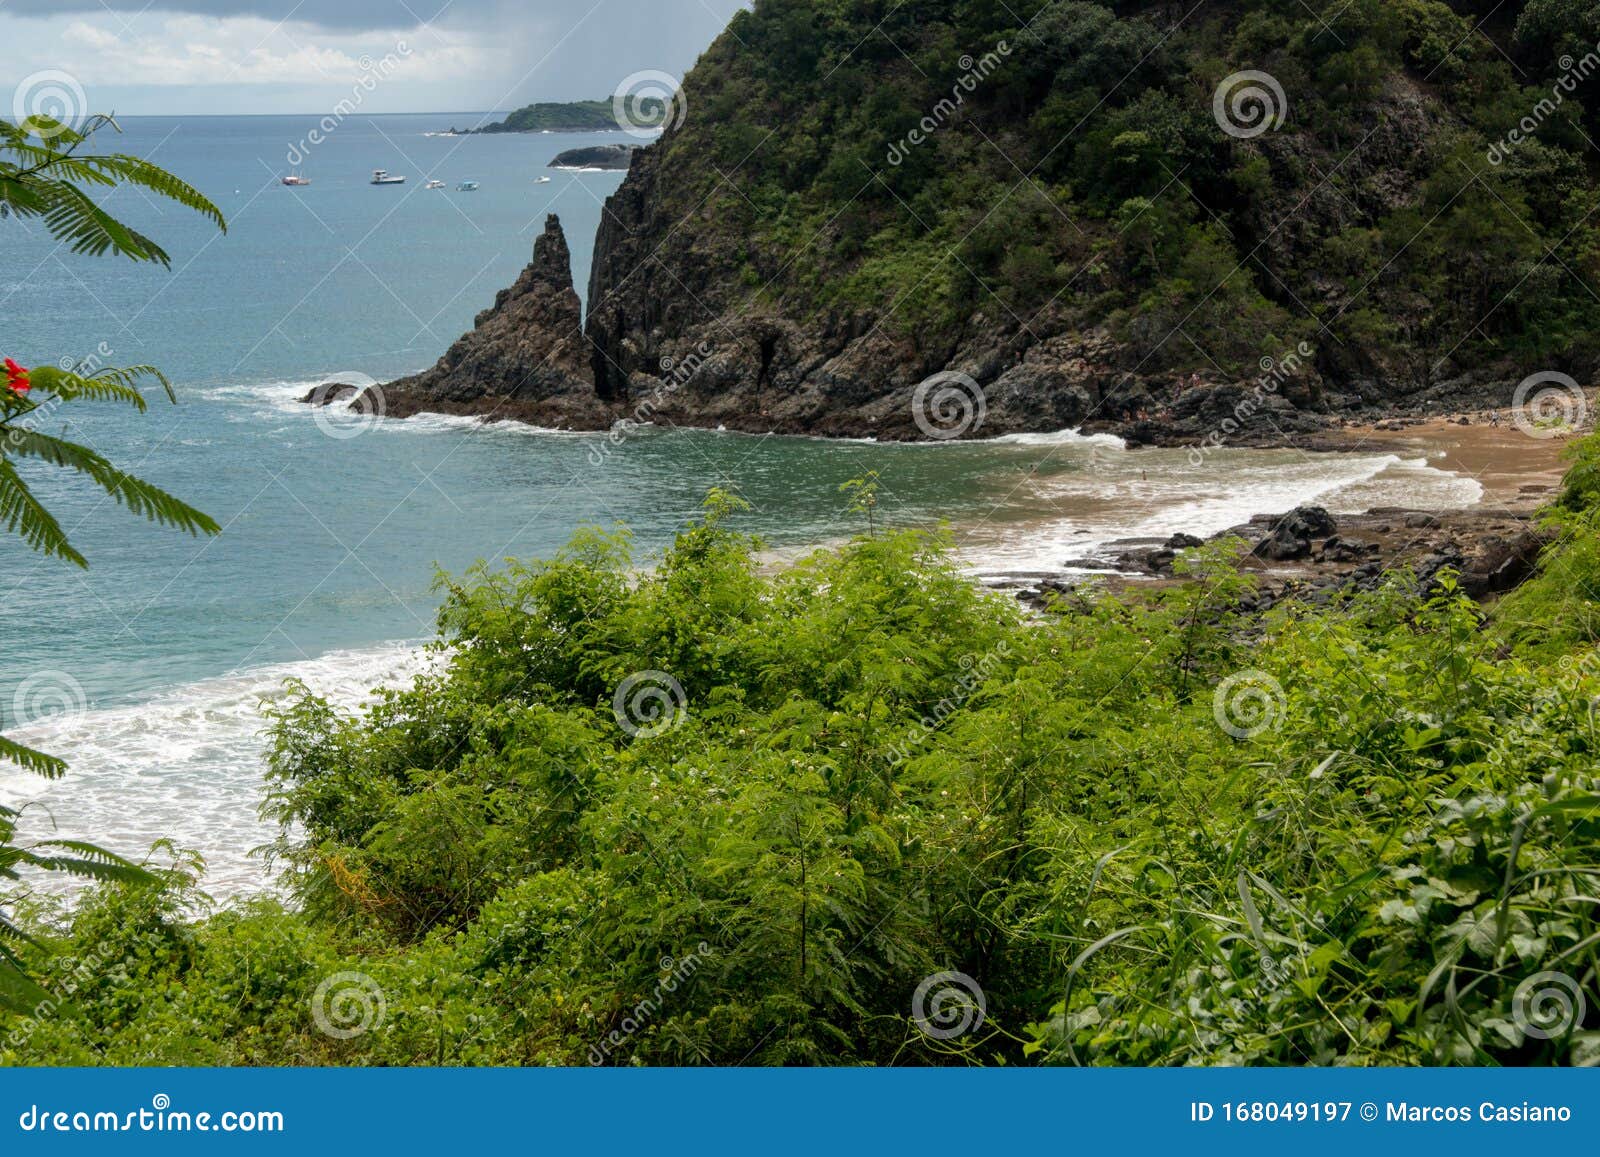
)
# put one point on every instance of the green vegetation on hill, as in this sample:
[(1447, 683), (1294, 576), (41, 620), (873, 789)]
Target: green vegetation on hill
[(712, 814), (578, 116), (1080, 179)]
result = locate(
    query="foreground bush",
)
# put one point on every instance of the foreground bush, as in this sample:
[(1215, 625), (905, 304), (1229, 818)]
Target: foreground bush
[(717, 815)]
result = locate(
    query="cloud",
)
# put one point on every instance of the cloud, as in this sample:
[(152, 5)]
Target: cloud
[(177, 56), (359, 15), (194, 51), (368, 15)]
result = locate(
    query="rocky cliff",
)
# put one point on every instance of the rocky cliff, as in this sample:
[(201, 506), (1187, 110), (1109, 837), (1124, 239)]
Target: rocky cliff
[(525, 359), (1237, 222)]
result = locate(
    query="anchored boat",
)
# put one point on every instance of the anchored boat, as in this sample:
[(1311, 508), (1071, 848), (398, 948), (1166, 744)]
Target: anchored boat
[(382, 177)]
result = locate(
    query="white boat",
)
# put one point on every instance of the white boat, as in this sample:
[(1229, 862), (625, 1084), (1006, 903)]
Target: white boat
[(434, 185), (382, 177), (296, 179), (541, 180)]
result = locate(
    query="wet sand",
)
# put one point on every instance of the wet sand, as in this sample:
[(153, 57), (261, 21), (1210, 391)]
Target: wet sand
[(1493, 542), (1518, 472)]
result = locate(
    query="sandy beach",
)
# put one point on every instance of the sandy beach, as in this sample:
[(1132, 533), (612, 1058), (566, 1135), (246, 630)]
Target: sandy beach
[(1517, 470)]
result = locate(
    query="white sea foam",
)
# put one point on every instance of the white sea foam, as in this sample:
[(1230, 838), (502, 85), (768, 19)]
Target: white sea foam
[(1072, 437), (1113, 494), (284, 397), (185, 763), (425, 422)]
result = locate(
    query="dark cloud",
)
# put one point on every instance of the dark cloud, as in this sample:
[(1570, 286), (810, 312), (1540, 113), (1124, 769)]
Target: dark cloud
[(531, 49), (343, 14), (351, 15)]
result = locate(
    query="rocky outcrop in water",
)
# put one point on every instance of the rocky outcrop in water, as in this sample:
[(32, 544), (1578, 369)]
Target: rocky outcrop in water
[(328, 393), (595, 157), (525, 359)]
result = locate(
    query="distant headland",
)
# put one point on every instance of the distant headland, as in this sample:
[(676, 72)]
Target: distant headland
[(578, 116)]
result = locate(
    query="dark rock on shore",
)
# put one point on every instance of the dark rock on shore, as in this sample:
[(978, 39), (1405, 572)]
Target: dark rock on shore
[(1338, 549), (1502, 562), (1290, 536), (1490, 550)]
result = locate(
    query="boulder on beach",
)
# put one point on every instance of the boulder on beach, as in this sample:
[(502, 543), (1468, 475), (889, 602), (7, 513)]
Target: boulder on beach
[(1289, 535)]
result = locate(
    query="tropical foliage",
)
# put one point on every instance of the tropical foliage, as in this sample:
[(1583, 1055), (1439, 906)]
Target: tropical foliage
[(45, 175), (1149, 831), (1058, 165)]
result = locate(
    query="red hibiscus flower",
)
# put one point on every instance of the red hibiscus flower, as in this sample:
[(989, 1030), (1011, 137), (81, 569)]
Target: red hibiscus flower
[(17, 378)]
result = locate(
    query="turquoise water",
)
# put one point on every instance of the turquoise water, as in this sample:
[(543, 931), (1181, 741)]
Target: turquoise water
[(146, 670)]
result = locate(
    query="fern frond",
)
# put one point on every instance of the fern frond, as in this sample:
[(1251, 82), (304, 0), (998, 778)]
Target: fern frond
[(21, 513), (73, 219), (18, 993), (137, 171), (59, 133), (70, 387), (128, 375), (37, 761), (136, 494), (46, 178), (92, 862)]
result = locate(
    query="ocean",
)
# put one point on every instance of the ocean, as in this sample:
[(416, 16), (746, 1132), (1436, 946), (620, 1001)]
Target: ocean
[(147, 671)]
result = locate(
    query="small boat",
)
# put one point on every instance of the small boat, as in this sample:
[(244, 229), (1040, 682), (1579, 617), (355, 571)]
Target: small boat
[(541, 180), (434, 185), (296, 179), (382, 177), (467, 187)]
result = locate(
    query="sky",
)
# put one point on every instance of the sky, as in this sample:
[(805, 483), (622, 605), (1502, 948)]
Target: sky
[(172, 57)]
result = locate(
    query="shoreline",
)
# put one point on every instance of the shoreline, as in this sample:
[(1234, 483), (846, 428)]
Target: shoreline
[(1493, 543), (1517, 472), (1495, 539)]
